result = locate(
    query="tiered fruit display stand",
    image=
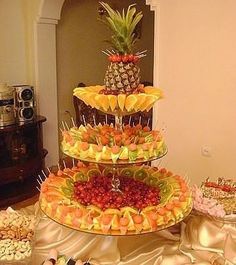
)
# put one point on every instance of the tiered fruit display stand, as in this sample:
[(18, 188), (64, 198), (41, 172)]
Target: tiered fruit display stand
[(173, 205), (110, 190)]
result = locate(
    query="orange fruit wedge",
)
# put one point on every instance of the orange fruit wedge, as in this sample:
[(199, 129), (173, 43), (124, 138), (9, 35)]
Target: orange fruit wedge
[(154, 91), (121, 101), (130, 102), (149, 101), (91, 97), (112, 101), (102, 101), (140, 99)]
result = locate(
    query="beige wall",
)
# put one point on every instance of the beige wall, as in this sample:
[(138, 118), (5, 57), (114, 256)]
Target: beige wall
[(13, 59), (198, 75), (80, 39), (17, 19)]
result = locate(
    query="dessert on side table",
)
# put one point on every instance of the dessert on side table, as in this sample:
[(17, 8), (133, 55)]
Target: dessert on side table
[(16, 236), (216, 198), (83, 198), (104, 143)]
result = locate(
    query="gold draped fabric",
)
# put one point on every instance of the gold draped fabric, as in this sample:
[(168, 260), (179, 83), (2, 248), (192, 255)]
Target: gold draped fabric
[(199, 240)]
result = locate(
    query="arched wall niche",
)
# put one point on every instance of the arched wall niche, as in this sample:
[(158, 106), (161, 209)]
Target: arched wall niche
[(46, 69)]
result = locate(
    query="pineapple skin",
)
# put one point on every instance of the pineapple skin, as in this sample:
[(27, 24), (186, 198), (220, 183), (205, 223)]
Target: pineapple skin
[(122, 78)]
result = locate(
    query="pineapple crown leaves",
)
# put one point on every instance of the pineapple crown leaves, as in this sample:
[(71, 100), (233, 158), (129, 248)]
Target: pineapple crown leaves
[(122, 26)]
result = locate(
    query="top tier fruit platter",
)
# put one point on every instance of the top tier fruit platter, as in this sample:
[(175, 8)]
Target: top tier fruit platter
[(111, 191)]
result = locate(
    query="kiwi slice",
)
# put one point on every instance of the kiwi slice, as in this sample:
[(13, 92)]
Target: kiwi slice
[(151, 181), (141, 174), (79, 176), (70, 183), (166, 193), (161, 184), (94, 172), (67, 192), (127, 172), (107, 171)]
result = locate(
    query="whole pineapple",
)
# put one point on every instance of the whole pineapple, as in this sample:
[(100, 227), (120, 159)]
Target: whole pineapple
[(123, 73)]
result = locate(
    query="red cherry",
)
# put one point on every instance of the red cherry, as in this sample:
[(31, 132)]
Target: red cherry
[(131, 57), (146, 129), (125, 58), (114, 58), (136, 59)]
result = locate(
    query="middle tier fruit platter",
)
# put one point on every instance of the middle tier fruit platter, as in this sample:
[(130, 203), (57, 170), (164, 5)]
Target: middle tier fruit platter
[(82, 198), (107, 144)]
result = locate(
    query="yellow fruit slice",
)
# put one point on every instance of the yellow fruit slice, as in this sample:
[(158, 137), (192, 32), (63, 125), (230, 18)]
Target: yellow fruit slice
[(150, 99), (102, 101), (130, 102), (140, 99), (154, 91), (78, 89), (112, 211), (83, 95), (92, 100), (112, 101), (121, 101), (128, 209)]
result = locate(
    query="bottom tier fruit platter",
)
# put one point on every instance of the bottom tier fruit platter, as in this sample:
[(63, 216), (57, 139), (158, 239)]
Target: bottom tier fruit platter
[(82, 197)]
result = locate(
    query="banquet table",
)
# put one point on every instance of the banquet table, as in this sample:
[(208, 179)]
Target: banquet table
[(199, 239)]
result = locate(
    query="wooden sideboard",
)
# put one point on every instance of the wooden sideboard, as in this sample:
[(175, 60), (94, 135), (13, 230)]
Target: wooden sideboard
[(21, 160)]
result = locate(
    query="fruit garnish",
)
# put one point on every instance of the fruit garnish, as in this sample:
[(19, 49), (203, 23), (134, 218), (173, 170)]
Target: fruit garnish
[(112, 101), (115, 149), (127, 172), (84, 146), (132, 147), (93, 173), (138, 219), (146, 129), (130, 102), (121, 101), (79, 176), (124, 221), (141, 174), (98, 191)]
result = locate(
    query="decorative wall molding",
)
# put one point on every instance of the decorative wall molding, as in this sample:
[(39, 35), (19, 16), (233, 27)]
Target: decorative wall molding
[(46, 68)]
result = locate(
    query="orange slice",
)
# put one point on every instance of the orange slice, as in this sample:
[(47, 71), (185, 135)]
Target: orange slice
[(149, 101), (154, 91), (130, 102), (112, 101), (121, 101), (140, 99), (102, 101)]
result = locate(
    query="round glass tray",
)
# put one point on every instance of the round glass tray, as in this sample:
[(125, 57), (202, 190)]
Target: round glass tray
[(118, 163), (117, 232)]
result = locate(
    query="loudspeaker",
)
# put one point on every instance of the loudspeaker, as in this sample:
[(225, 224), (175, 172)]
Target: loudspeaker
[(24, 102)]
